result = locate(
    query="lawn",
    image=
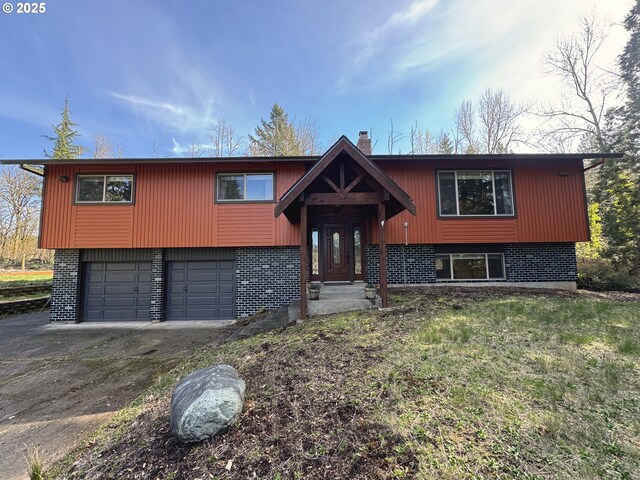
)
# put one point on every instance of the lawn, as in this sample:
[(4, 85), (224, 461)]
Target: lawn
[(471, 386), (19, 278)]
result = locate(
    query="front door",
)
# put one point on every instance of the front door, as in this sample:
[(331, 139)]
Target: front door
[(336, 252)]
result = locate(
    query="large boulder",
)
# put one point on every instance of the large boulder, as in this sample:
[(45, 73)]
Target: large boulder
[(206, 402)]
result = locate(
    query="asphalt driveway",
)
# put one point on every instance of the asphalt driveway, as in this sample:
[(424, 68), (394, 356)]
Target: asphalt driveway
[(59, 383)]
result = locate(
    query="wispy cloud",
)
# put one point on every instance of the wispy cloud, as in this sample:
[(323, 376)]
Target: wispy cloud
[(182, 118)]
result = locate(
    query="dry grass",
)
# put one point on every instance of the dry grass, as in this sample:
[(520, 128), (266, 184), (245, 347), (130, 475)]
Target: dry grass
[(478, 386), (19, 278)]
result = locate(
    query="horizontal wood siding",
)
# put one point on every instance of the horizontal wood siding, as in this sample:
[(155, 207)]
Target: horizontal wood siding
[(174, 207)]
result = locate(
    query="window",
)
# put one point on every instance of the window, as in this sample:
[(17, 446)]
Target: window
[(104, 189), (357, 251), (470, 266), (315, 254), (475, 192), (245, 187)]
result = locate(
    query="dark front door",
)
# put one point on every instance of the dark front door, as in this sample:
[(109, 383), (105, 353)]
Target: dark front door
[(336, 252)]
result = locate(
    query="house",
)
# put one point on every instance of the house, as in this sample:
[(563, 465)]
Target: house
[(219, 238)]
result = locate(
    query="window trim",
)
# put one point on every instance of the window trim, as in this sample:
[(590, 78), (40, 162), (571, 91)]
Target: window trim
[(457, 215), (486, 265), (236, 200), (76, 180)]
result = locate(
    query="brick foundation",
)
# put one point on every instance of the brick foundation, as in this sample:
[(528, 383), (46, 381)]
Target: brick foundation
[(64, 291), (157, 279), (405, 264), (266, 277), (524, 262)]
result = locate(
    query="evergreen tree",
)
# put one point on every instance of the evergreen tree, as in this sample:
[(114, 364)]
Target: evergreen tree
[(281, 137), (618, 186), (64, 137), (444, 144)]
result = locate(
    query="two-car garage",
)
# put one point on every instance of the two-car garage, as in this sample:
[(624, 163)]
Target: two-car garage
[(197, 284)]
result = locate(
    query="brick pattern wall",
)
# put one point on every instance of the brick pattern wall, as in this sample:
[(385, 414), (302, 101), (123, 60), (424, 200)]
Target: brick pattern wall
[(540, 262), (405, 264), (266, 277), (157, 276), (524, 262), (64, 291)]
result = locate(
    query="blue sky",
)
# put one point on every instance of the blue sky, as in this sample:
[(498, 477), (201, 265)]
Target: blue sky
[(138, 71)]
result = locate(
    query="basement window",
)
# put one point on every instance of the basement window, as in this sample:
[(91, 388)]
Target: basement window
[(470, 266), (475, 193), (104, 189), (251, 187)]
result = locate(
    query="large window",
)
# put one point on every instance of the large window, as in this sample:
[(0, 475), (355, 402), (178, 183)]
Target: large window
[(245, 187), (470, 266), (104, 189), (475, 192)]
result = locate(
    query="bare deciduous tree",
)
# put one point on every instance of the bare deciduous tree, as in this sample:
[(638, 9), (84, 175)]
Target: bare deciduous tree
[(19, 212), (490, 127), (195, 149), (103, 148), (465, 119), (224, 141), (578, 115), (393, 138)]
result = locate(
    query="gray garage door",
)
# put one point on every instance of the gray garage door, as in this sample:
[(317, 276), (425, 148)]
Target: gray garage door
[(116, 291), (202, 290)]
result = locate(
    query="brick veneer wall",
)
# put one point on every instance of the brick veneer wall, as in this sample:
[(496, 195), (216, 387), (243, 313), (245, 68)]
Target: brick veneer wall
[(524, 262), (540, 262), (64, 290), (157, 295), (266, 277), (405, 264)]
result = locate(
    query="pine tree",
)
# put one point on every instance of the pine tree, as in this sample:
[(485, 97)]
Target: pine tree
[(444, 144), (64, 137), (281, 137), (618, 186)]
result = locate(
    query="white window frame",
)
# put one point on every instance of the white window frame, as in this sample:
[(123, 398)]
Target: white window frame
[(244, 200), (486, 266), (104, 188), (493, 184)]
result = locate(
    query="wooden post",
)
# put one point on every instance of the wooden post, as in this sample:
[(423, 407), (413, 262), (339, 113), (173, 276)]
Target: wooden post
[(382, 253), (303, 261)]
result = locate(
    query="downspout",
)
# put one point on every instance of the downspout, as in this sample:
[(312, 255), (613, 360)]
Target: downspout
[(404, 251)]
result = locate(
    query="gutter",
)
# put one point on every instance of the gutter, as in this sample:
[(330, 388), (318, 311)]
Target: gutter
[(35, 172)]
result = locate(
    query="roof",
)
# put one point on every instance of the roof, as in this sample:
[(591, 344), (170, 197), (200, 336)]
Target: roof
[(399, 198), (314, 158)]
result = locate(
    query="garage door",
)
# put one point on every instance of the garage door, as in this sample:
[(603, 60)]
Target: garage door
[(116, 291), (202, 290)]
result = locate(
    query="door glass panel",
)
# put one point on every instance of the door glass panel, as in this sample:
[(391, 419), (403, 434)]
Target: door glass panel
[(357, 251), (336, 247), (315, 259)]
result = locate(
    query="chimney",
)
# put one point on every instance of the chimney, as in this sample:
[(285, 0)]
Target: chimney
[(364, 142)]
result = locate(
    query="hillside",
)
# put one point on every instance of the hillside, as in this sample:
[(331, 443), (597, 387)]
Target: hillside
[(469, 385)]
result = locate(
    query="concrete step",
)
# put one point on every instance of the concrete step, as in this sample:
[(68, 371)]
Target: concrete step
[(335, 305)]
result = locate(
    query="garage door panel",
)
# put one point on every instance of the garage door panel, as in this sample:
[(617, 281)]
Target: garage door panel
[(196, 290), (117, 291)]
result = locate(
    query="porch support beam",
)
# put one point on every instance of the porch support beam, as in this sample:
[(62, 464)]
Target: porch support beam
[(382, 253), (351, 198), (303, 261)]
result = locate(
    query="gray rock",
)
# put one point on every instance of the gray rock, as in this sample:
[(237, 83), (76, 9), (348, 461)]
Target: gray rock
[(206, 402)]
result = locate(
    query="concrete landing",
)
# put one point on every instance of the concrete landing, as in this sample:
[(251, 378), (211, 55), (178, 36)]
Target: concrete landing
[(336, 298)]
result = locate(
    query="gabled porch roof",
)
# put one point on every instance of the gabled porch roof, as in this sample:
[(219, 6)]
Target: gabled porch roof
[(395, 198)]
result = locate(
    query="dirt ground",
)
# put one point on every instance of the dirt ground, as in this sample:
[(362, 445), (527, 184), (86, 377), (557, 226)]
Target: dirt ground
[(59, 383)]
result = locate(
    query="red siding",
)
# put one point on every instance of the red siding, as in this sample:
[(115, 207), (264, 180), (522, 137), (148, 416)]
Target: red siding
[(174, 207), (549, 207)]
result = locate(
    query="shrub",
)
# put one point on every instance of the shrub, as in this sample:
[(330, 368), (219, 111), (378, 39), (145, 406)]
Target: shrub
[(600, 275)]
